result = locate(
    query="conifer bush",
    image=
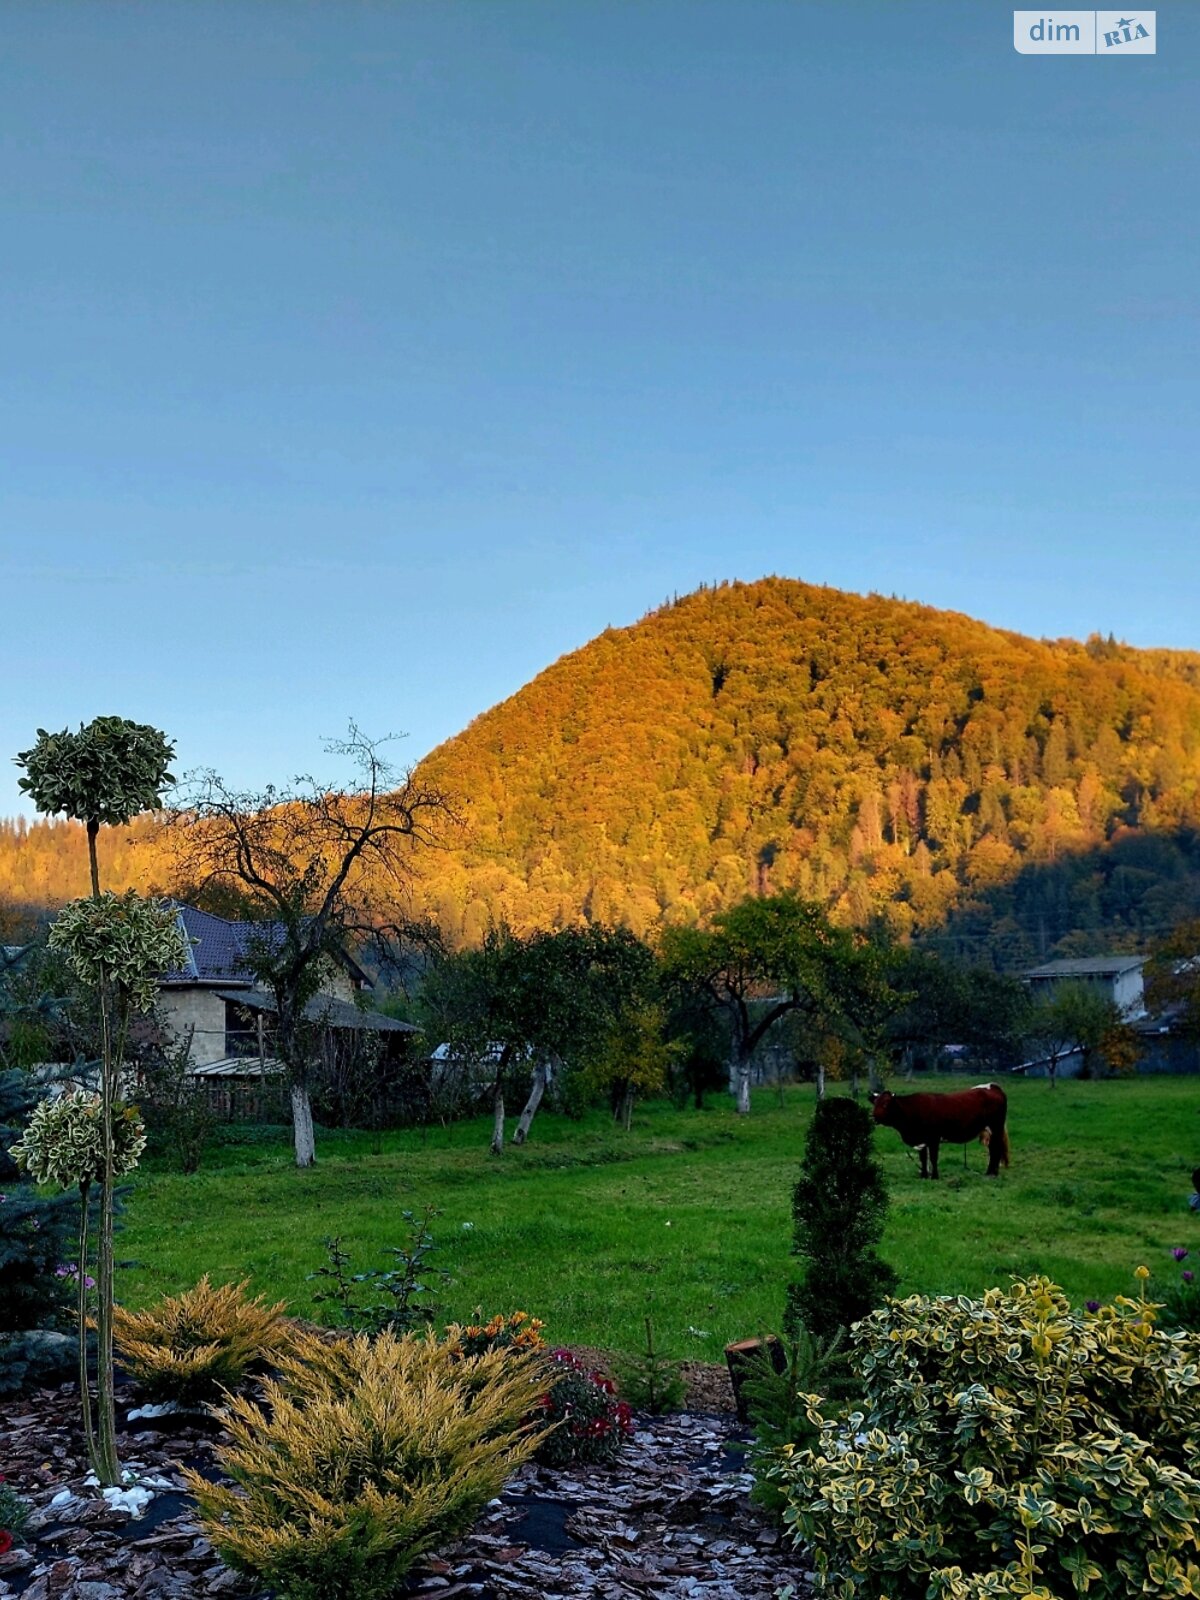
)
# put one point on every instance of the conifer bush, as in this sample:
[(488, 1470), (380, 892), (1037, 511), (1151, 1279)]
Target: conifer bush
[(363, 1455), (38, 1234), (1008, 1448), (839, 1206), (191, 1346)]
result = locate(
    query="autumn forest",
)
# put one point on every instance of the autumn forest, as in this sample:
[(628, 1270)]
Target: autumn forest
[(970, 789)]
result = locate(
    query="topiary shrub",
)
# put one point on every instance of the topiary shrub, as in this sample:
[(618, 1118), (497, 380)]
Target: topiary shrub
[(364, 1455), (191, 1346), (839, 1206), (589, 1423), (1007, 1447)]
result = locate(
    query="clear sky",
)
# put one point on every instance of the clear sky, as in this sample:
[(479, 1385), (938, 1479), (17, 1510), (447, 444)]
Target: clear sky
[(360, 359)]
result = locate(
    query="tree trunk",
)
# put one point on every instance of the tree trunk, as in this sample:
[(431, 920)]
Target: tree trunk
[(302, 1126), (743, 1087), (820, 1080), (497, 1146), (627, 1108), (541, 1075), (93, 828), (873, 1080)]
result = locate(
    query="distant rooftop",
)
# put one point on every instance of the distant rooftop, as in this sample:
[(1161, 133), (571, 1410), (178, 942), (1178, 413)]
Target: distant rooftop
[(219, 950), (322, 1008), (1087, 967)]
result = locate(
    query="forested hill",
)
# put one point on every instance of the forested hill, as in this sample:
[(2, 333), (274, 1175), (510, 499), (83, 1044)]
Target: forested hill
[(879, 756), (1003, 796)]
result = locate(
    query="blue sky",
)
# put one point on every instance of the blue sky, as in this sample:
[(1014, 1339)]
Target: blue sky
[(361, 359)]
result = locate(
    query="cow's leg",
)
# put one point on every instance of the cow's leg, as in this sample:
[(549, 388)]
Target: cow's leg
[(933, 1155), (922, 1152), (995, 1149)]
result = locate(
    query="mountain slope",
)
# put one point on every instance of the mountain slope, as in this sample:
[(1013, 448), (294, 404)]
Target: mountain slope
[(878, 755), (1005, 796)]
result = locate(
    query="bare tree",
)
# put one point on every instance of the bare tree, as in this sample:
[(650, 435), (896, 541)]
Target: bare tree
[(306, 860)]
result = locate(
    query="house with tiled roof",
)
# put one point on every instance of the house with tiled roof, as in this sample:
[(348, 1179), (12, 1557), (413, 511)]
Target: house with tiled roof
[(216, 1005)]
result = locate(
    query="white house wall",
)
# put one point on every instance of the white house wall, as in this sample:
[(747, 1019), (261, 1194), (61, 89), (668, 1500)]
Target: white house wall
[(200, 1012)]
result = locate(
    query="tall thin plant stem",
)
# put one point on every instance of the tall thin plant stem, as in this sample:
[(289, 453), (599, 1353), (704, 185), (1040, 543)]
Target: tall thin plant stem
[(85, 1391), (108, 1465), (109, 1470)]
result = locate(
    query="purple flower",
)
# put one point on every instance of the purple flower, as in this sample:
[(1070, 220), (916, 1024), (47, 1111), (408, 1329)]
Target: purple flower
[(1093, 1305), (1189, 1277), (1180, 1253), (68, 1269)]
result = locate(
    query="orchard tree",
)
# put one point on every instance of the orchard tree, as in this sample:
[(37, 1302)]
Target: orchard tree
[(544, 999), (634, 1060), (106, 773), (1173, 979), (773, 955), (304, 862), (948, 1003), (1076, 1018)]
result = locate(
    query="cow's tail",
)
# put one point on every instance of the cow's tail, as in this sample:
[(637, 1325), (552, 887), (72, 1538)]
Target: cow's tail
[(1004, 1146)]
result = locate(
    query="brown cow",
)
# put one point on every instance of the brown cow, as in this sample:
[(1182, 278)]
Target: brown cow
[(925, 1121)]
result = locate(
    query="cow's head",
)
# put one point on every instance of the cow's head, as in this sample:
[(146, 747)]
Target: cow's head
[(881, 1104)]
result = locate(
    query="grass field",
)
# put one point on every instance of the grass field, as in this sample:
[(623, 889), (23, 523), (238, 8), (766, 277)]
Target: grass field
[(688, 1217)]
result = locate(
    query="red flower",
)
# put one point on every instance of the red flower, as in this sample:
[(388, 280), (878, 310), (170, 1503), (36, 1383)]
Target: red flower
[(5, 1542)]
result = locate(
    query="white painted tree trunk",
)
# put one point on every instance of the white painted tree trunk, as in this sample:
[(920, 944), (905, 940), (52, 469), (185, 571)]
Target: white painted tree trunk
[(820, 1081), (743, 1088), (498, 1119), (302, 1126), (536, 1090)]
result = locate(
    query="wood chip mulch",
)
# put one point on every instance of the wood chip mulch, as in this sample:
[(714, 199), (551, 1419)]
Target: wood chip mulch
[(671, 1520)]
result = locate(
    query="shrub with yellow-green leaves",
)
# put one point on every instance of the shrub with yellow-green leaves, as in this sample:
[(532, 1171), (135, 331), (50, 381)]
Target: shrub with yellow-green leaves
[(1007, 1446), (191, 1346), (364, 1455)]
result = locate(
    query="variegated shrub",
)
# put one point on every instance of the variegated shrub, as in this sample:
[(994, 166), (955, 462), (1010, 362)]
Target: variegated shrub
[(1007, 1447)]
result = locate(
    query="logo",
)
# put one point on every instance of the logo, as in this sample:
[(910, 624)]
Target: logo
[(1118, 34), (1084, 33)]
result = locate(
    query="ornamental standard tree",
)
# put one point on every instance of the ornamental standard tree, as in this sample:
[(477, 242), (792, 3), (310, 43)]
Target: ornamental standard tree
[(106, 773)]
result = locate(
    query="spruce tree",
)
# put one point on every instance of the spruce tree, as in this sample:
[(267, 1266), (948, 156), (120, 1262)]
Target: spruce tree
[(839, 1206), (37, 1249)]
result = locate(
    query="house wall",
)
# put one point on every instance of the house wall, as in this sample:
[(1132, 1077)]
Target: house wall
[(340, 985), (200, 1011), (1129, 991), (1126, 989)]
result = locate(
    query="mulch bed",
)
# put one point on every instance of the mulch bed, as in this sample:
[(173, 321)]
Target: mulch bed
[(672, 1519)]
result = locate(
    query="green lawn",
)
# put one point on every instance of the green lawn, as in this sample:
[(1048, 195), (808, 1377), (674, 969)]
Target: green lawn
[(688, 1217)]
